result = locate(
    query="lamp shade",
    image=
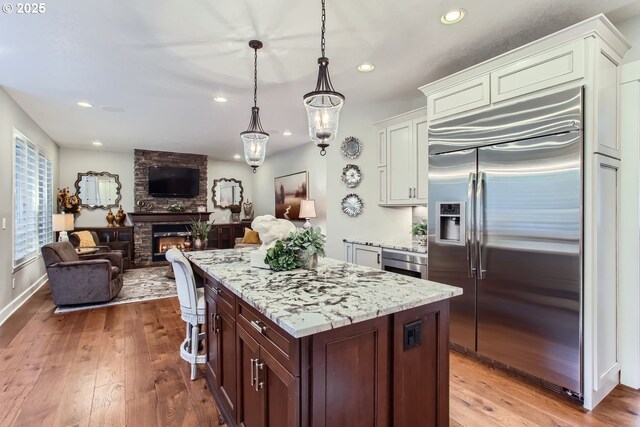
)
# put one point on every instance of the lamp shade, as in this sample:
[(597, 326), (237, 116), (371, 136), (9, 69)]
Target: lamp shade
[(62, 222), (307, 209)]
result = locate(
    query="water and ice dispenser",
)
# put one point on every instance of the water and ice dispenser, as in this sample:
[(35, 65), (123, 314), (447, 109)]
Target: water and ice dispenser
[(450, 223)]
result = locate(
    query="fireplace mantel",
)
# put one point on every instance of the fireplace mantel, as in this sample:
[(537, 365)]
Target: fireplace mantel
[(157, 217)]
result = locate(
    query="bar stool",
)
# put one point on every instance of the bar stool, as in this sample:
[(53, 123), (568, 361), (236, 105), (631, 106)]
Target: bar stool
[(192, 309)]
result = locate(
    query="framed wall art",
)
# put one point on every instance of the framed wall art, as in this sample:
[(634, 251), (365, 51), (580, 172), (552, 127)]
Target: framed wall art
[(289, 191)]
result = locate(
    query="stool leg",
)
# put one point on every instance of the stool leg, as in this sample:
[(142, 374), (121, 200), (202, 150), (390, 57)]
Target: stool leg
[(195, 333), (189, 336)]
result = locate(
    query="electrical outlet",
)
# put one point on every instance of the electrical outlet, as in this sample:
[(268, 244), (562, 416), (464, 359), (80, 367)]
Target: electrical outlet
[(4, 223), (13, 283)]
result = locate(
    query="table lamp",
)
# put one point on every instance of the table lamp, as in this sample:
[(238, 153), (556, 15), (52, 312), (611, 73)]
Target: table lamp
[(307, 210), (63, 223)]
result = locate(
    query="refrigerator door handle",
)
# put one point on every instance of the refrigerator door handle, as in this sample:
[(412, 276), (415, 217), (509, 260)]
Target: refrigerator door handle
[(482, 272), (471, 253)]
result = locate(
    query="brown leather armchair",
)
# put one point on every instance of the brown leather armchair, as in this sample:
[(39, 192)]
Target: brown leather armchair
[(82, 280), (122, 247)]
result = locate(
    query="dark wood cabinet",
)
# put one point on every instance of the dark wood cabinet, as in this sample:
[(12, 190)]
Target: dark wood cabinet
[(388, 371), (223, 236), (268, 395), (221, 347)]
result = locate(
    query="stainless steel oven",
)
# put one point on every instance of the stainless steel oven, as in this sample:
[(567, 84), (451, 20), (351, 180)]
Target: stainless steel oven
[(403, 262)]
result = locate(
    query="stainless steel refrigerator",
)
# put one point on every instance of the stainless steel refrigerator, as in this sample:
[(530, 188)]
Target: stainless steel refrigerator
[(505, 224)]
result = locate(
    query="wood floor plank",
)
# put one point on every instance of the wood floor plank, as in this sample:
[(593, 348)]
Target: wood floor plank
[(123, 363)]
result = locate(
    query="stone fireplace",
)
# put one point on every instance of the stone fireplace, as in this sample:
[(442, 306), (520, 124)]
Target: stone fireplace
[(167, 236), (151, 215)]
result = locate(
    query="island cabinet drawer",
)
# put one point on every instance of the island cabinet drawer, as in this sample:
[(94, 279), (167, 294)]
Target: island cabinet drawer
[(282, 346), (225, 299)]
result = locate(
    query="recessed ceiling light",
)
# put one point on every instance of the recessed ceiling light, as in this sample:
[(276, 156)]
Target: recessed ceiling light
[(97, 143), (287, 133), (84, 104), (220, 99), (237, 156), (452, 16), (366, 67)]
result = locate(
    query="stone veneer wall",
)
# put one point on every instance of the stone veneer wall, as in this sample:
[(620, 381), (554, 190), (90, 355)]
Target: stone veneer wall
[(142, 160), (145, 158)]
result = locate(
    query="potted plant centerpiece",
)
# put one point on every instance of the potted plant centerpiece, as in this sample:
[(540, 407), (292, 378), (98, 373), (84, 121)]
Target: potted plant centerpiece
[(200, 231), (421, 231), (300, 248)]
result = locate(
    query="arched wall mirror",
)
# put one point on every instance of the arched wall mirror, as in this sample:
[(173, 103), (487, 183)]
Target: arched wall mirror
[(227, 192), (98, 190)]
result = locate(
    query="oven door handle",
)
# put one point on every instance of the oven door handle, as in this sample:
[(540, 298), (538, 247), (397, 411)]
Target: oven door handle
[(408, 266)]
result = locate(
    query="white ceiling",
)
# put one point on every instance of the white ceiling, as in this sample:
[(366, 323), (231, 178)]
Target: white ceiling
[(160, 63)]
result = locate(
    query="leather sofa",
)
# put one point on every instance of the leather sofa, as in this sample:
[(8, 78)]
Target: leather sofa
[(83, 279)]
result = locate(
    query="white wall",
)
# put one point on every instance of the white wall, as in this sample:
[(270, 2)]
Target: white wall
[(74, 161), (239, 170), (303, 158), (631, 30), (326, 187), (29, 276)]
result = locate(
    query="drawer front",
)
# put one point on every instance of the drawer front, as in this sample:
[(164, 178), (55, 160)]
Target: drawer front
[(551, 68), (282, 346), (463, 97), (225, 299)]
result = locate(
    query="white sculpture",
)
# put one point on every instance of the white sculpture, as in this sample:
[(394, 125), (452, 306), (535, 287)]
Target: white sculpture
[(270, 229)]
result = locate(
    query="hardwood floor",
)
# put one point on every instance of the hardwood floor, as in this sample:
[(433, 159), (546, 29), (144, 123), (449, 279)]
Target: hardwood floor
[(119, 366)]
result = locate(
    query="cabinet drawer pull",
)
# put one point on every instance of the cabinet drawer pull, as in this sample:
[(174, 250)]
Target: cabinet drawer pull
[(256, 324), (218, 291)]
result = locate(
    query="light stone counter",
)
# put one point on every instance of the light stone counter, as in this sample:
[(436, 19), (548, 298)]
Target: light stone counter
[(407, 245), (305, 302)]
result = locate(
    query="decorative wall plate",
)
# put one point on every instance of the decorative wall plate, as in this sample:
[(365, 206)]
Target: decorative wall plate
[(351, 176), (352, 205), (351, 147)]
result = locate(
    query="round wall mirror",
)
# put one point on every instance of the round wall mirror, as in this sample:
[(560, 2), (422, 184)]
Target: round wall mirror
[(98, 190), (227, 192)]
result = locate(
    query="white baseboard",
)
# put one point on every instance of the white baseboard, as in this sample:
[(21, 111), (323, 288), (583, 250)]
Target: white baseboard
[(14, 305)]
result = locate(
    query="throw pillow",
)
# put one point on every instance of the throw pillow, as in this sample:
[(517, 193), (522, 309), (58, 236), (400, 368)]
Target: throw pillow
[(251, 237), (86, 239)]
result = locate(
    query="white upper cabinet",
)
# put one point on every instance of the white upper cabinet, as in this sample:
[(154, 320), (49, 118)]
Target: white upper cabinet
[(549, 68), (466, 96), (403, 160)]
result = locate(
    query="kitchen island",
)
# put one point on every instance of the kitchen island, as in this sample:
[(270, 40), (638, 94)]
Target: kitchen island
[(340, 345)]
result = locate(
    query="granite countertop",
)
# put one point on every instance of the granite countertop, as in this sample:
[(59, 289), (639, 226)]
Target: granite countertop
[(305, 302), (407, 245)]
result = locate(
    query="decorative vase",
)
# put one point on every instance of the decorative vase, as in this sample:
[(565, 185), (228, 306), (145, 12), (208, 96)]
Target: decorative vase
[(110, 218), (311, 262), (120, 217), (423, 239), (197, 244), (248, 209), (187, 245)]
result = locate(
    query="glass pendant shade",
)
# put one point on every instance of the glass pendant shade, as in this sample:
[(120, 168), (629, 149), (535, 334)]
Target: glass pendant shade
[(255, 141), (323, 107)]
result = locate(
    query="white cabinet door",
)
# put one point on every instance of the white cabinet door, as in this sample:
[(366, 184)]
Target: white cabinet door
[(466, 96), (421, 136), (368, 256), (608, 106), (382, 186), (400, 164), (382, 147)]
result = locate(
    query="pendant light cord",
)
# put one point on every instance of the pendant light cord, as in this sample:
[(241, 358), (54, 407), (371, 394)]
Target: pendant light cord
[(324, 19), (255, 77)]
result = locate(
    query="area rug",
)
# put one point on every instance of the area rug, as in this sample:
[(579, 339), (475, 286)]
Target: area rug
[(140, 284)]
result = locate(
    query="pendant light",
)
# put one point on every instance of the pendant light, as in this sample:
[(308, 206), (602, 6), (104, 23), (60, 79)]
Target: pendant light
[(323, 104), (255, 138)]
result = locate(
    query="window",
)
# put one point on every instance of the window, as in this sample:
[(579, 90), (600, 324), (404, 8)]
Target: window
[(33, 187)]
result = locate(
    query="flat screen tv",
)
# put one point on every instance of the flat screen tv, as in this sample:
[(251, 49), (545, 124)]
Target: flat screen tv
[(167, 181)]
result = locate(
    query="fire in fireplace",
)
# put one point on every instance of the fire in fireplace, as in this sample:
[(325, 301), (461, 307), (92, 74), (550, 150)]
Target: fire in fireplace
[(168, 236)]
